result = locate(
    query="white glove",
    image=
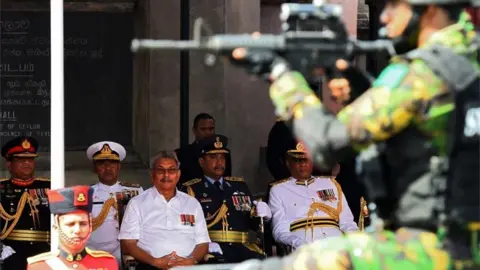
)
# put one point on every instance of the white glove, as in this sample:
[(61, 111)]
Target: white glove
[(6, 252), (263, 210), (298, 243), (214, 248)]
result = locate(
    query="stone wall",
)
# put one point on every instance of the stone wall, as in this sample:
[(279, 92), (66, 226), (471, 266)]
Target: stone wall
[(239, 103)]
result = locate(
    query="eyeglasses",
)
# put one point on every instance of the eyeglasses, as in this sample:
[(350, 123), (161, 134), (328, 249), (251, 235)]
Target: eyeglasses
[(163, 171)]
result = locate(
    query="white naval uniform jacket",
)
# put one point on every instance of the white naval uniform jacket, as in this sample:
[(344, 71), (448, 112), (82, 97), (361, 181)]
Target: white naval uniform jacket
[(105, 237), (304, 211)]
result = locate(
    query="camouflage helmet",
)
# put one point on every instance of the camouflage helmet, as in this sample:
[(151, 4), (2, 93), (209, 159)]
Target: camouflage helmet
[(441, 2)]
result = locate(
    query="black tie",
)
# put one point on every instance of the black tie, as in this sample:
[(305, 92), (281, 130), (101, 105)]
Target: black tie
[(218, 185)]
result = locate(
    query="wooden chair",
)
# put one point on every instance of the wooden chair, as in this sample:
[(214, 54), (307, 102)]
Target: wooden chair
[(129, 263)]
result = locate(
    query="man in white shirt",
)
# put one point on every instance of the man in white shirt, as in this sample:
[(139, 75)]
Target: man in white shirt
[(306, 208), (164, 227), (106, 157)]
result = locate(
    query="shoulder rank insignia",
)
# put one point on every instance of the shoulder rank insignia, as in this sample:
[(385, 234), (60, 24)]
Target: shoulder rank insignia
[(333, 179), (234, 179), (125, 184), (279, 182), (42, 179), (192, 182), (41, 257), (98, 253)]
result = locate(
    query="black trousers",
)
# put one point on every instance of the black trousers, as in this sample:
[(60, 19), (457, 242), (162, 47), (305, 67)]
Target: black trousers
[(23, 250), (235, 253), (144, 266)]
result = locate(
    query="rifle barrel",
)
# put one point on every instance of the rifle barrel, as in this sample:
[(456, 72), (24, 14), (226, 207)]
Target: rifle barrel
[(142, 44), (374, 46), (214, 43)]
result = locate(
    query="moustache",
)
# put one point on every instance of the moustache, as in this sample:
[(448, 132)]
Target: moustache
[(219, 168)]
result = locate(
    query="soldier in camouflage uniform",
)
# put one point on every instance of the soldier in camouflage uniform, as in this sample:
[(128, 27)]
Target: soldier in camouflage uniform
[(408, 107)]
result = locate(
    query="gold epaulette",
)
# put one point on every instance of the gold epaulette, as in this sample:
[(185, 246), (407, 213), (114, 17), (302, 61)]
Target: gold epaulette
[(332, 178), (99, 253), (191, 182), (46, 179), (334, 181), (4, 179), (279, 182), (234, 179), (125, 184), (41, 257)]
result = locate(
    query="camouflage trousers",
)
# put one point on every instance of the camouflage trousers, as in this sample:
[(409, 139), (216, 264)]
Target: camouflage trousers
[(404, 249)]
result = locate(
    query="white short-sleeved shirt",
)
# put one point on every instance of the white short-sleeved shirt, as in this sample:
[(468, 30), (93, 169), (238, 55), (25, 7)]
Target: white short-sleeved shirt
[(162, 227)]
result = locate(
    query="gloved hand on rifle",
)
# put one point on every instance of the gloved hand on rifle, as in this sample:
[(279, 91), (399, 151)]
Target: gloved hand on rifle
[(289, 88), (292, 89)]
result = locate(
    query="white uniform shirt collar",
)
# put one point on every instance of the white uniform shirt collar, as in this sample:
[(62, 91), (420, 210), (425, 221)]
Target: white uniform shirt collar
[(304, 182), (156, 194), (106, 187)]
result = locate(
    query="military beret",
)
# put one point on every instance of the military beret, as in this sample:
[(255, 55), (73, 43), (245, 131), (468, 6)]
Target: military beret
[(20, 147), (106, 150), (68, 200), (213, 145)]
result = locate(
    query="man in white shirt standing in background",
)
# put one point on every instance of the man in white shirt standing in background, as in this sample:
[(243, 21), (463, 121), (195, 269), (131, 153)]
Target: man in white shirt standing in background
[(106, 157), (164, 227)]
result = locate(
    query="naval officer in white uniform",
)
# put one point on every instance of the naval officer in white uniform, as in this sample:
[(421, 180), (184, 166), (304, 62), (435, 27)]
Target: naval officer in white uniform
[(106, 157), (306, 208)]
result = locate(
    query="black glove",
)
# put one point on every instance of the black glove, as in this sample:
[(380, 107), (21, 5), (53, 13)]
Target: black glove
[(262, 63)]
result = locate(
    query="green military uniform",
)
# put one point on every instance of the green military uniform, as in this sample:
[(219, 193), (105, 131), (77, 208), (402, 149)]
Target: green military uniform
[(408, 106)]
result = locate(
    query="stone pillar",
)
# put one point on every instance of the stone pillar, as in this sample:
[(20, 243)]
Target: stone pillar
[(239, 103), (206, 83), (249, 111), (156, 78), (270, 20)]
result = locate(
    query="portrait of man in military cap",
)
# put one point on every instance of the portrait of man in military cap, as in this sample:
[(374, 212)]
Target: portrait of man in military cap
[(25, 214), (71, 208)]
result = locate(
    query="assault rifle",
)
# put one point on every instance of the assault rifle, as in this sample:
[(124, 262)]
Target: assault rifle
[(314, 36)]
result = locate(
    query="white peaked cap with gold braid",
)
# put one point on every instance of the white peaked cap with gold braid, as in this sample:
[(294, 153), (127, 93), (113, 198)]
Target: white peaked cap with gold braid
[(106, 150)]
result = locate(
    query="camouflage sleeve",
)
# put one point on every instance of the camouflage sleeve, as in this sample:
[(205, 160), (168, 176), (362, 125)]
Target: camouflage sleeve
[(402, 94)]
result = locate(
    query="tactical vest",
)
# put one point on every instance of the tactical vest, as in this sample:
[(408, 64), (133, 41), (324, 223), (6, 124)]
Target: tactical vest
[(463, 181)]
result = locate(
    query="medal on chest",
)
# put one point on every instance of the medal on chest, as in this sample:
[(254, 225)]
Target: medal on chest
[(327, 195), (241, 202), (187, 220)]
